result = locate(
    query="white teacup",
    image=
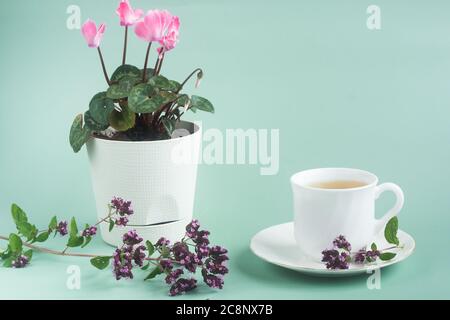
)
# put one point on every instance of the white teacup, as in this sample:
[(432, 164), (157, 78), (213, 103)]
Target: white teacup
[(322, 214)]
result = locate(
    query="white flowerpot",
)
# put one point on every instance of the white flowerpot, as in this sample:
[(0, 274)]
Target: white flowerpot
[(158, 177)]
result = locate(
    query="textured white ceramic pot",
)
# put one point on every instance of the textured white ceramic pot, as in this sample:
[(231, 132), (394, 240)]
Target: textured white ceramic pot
[(159, 177)]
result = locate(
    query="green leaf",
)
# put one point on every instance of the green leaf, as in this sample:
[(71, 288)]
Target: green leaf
[(75, 241), (79, 135), (86, 241), (73, 228), (201, 103), (43, 237), (387, 256), (139, 99), (115, 91), (183, 100), (145, 268), (124, 120), (100, 263), (6, 254), (174, 85), (161, 82), (124, 71), (155, 272), (150, 248), (53, 223), (8, 262), (28, 254), (15, 243), (373, 246), (111, 225), (18, 214), (169, 125), (93, 125), (101, 107), (127, 83), (390, 231)]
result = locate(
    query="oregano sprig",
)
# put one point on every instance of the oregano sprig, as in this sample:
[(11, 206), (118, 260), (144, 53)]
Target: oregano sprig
[(177, 262), (340, 255)]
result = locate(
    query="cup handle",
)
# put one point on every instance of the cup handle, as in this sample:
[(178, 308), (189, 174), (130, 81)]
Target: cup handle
[(395, 209)]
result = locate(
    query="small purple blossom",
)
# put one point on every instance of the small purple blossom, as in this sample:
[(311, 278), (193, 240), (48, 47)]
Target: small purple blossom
[(217, 251), (335, 259), (173, 276), (123, 207), (122, 221), (342, 243), (184, 257), (131, 238), (212, 281), (360, 256), (122, 263), (202, 251), (192, 228), (62, 228), (139, 255), (20, 262), (90, 231), (166, 264), (183, 286), (162, 242)]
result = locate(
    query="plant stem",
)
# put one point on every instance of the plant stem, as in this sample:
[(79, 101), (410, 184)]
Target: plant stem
[(146, 62), (160, 63), (124, 58), (105, 73), (188, 78), (54, 252)]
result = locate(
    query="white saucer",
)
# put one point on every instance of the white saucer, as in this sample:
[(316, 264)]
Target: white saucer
[(277, 245)]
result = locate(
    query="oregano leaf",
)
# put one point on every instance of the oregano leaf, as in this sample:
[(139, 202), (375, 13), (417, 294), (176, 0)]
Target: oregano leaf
[(387, 256), (100, 263), (155, 272), (390, 231), (15, 243)]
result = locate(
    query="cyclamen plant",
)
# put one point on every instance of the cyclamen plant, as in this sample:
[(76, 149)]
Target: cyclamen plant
[(140, 103), (178, 262), (340, 255)]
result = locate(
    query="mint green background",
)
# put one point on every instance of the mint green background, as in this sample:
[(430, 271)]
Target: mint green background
[(340, 94)]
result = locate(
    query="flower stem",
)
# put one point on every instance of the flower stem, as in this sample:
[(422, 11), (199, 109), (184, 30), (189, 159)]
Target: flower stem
[(161, 60), (124, 58), (105, 73), (188, 78), (54, 252), (144, 77)]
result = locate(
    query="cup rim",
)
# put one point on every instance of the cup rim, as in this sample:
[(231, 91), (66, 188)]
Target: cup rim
[(296, 183)]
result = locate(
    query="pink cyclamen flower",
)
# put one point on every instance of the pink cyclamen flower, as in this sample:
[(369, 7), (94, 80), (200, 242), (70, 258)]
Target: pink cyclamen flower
[(159, 26), (128, 16), (91, 34)]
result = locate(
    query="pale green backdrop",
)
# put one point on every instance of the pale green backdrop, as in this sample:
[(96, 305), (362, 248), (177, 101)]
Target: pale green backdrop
[(340, 94)]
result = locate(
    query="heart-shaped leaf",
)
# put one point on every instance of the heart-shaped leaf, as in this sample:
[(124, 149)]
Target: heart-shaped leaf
[(78, 134), (201, 103), (123, 120), (116, 91), (101, 107), (93, 125), (161, 82), (125, 70), (141, 100)]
